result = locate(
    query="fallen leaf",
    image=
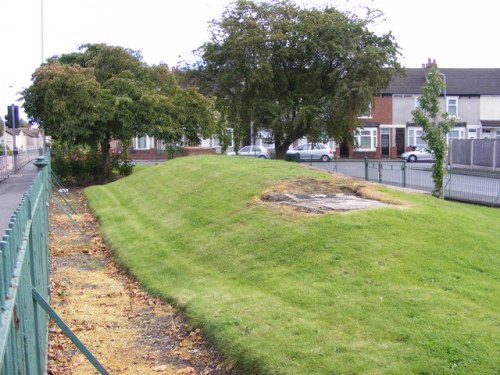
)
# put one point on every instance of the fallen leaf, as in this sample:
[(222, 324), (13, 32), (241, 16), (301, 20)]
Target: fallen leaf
[(161, 368)]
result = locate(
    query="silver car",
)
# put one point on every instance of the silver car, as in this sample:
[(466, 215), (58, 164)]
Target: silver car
[(419, 154), (255, 151), (313, 151)]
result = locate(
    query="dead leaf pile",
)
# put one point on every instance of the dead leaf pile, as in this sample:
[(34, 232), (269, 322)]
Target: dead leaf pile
[(126, 329)]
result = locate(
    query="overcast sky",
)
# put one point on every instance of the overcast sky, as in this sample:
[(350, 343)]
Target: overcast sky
[(457, 34)]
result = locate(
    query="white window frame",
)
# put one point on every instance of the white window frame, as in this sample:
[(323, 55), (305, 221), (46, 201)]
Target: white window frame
[(215, 142), (368, 113), (413, 135), (136, 143), (372, 135), (455, 98), (461, 134), (417, 101)]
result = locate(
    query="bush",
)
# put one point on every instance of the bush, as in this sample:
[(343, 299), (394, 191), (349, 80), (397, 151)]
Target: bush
[(83, 166), (121, 164)]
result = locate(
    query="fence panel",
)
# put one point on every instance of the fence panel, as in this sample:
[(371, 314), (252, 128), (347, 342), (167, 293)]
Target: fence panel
[(471, 185), (475, 154), (24, 265)]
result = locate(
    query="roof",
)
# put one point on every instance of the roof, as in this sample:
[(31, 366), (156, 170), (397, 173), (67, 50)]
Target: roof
[(11, 131), (490, 123), (31, 132), (459, 81)]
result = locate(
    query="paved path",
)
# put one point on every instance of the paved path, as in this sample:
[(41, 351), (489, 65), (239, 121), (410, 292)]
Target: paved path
[(12, 190)]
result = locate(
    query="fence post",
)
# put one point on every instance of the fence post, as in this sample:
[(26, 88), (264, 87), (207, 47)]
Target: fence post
[(472, 153), (403, 168), (380, 172), (495, 142), (366, 168)]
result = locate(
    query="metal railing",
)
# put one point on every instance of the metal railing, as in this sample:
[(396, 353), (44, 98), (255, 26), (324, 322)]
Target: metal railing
[(475, 186), (24, 267), (24, 284), (9, 165)]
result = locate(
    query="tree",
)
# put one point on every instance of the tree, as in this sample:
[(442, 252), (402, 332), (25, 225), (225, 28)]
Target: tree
[(293, 72), (436, 125), (105, 92)]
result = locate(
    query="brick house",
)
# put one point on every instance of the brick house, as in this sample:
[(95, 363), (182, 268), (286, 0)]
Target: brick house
[(388, 130), (471, 95)]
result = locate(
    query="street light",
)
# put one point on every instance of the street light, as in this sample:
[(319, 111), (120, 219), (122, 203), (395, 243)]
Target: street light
[(444, 91)]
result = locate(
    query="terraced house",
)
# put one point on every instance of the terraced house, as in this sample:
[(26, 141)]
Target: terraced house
[(471, 95), (387, 130)]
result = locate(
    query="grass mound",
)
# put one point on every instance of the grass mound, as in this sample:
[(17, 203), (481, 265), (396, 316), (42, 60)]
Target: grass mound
[(372, 291)]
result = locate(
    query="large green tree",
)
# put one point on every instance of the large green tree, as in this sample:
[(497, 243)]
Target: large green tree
[(293, 71), (436, 124), (102, 92)]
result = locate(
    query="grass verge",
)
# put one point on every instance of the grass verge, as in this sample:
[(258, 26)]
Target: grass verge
[(381, 291)]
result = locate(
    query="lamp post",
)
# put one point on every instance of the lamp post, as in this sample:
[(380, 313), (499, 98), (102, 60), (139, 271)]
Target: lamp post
[(444, 91), (43, 58), (3, 142)]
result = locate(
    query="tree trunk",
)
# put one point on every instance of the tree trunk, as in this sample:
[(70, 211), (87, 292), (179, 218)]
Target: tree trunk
[(106, 169), (281, 150)]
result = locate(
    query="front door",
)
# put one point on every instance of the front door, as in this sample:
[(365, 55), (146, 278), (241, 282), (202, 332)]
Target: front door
[(344, 150), (385, 144), (400, 140)]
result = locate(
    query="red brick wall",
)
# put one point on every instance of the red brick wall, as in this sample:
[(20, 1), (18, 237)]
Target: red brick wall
[(353, 154), (151, 154), (186, 151), (382, 110)]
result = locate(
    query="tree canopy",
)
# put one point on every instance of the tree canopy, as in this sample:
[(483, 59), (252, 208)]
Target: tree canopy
[(293, 71), (105, 92), (436, 124)]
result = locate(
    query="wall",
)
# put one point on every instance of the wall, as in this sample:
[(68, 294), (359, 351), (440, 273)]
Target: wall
[(469, 109), (490, 107)]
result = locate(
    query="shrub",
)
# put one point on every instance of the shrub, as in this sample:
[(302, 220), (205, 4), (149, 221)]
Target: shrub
[(83, 166)]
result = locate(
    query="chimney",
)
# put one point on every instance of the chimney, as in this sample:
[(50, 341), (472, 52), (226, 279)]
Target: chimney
[(430, 64)]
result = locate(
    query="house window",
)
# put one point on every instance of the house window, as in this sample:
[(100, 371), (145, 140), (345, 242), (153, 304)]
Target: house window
[(141, 143), (366, 139), (368, 112), (215, 141), (415, 138), (452, 106), (417, 101), (455, 134)]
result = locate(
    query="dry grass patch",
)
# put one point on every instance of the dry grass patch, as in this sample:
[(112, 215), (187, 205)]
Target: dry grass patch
[(318, 196), (125, 328)]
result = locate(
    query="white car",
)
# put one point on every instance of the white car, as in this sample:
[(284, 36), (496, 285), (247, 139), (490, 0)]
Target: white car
[(419, 154), (313, 151), (254, 151)]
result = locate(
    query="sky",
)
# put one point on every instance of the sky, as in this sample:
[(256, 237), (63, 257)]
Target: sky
[(457, 34)]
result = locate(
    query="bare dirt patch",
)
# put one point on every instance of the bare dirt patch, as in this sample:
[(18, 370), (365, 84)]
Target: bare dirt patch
[(127, 330), (319, 196)]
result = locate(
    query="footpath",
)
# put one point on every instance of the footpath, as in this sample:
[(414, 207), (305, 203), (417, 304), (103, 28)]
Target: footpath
[(12, 190)]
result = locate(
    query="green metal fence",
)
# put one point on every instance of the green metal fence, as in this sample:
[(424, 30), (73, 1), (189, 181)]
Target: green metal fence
[(24, 267), (466, 185), (25, 282)]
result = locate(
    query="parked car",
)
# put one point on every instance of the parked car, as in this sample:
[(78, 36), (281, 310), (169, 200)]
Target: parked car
[(254, 151), (419, 154), (313, 151)]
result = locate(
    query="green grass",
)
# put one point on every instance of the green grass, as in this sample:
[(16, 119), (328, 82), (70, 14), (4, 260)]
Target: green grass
[(381, 291)]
